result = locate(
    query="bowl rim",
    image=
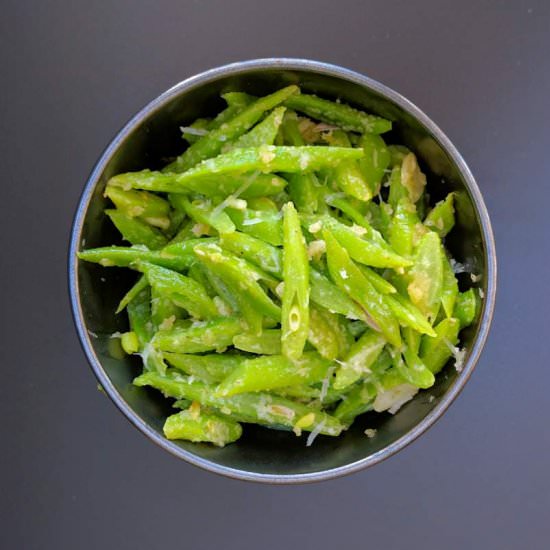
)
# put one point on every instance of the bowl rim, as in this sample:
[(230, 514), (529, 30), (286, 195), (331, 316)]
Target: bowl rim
[(333, 71)]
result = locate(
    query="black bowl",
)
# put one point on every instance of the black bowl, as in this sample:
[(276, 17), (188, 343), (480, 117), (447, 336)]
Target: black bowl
[(151, 136)]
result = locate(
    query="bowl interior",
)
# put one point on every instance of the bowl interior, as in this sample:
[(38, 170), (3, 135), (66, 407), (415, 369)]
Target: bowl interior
[(147, 143)]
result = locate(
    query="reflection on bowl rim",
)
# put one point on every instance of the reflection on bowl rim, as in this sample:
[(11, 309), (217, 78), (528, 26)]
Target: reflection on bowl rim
[(332, 71)]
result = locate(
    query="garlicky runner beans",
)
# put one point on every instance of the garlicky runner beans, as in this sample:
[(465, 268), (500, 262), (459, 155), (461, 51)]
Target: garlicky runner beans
[(289, 271)]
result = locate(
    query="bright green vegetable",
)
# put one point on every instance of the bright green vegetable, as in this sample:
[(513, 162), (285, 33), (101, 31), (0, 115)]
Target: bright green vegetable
[(254, 250), (449, 286), (349, 175), (358, 401), (246, 185), (204, 427), (266, 343), (364, 245), (340, 114), (261, 408), (210, 145), (178, 256), (408, 315), (129, 342), (467, 306), (140, 204), (295, 299), (441, 217), (210, 368), (359, 359), (326, 294), (183, 291), (203, 211), (242, 279), (328, 333), (140, 285), (435, 352), (264, 132), (274, 371), (136, 231), (375, 162), (412, 369), (302, 188), (202, 336), (286, 276), (350, 279), (426, 275), (262, 224)]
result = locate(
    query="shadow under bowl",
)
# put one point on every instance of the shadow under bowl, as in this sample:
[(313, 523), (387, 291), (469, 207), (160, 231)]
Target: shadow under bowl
[(153, 135)]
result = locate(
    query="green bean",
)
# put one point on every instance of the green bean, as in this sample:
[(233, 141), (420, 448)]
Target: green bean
[(326, 294), (247, 185), (210, 145), (413, 338), (264, 132), (262, 224), (412, 369), (344, 205), (328, 333), (239, 99), (211, 368), (224, 292), (398, 191), (467, 307), (164, 311), (377, 281), (267, 343), (215, 334), (139, 316), (434, 352), (139, 285), (136, 231), (269, 372), (203, 211), (295, 299), (349, 278), (358, 401), (239, 275), (349, 175), (375, 162), (302, 188), (359, 359), (426, 275), (129, 342), (408, 315), (403, 227), (449, 288), (183, 291), (197, 272), (265, 204), (260, 408), (365, 246), (205, 427), (141, 204), (266, 158), (265, 256), (340, 114), (441, 217)]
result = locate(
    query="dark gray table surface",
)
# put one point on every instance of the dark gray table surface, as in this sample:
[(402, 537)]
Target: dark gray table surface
[(74, 473)]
